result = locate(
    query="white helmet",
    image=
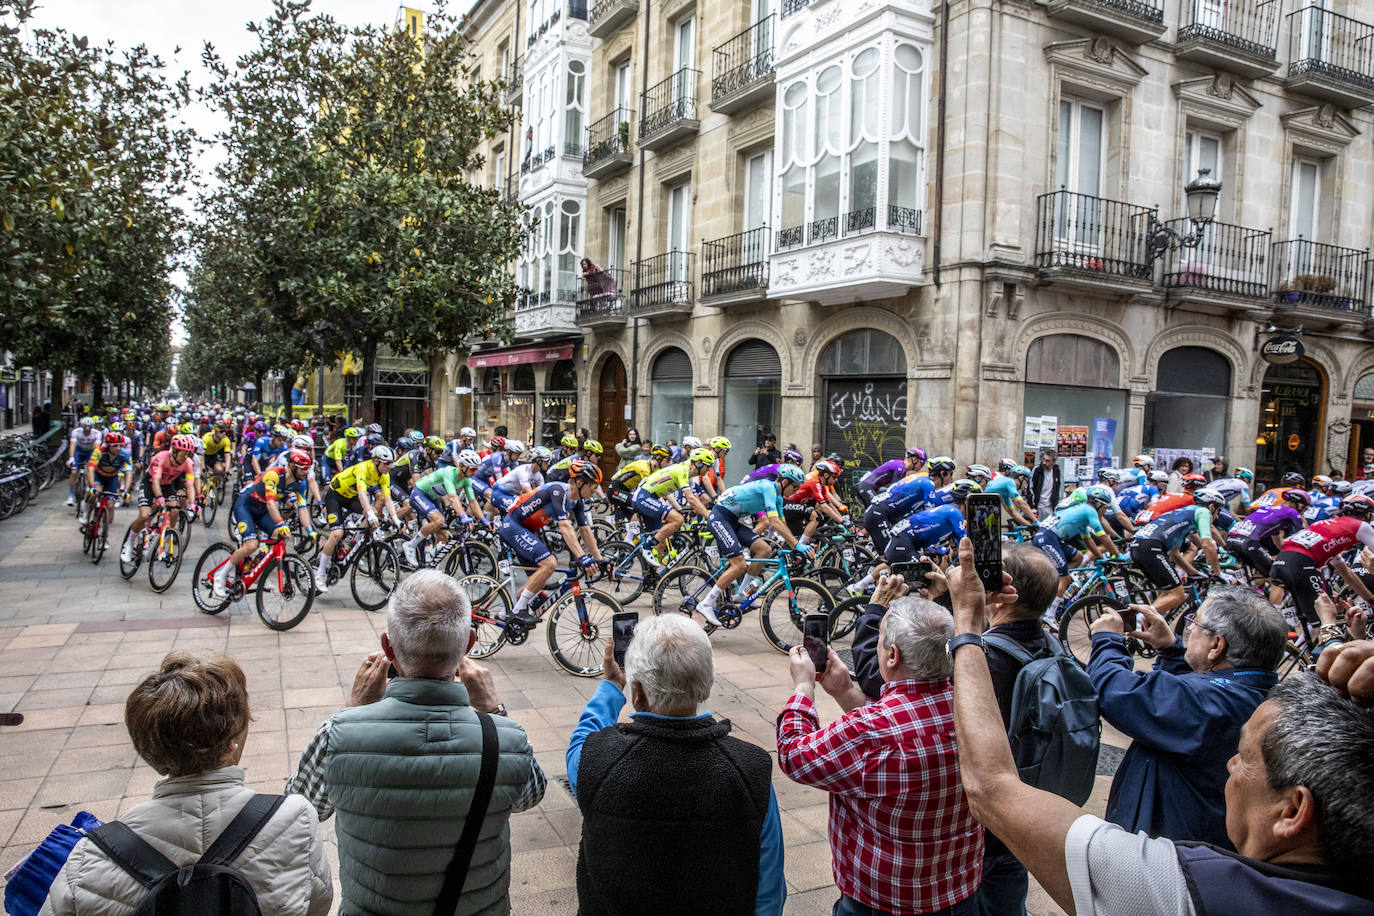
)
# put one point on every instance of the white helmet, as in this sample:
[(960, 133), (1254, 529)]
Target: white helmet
[(302, 442), (468, 432), (468, 458), (515, 445), (383, 453), (87, 422), (690, 442)]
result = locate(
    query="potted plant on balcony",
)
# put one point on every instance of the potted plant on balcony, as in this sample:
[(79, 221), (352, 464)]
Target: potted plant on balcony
[(623, 132), (1292, 291)]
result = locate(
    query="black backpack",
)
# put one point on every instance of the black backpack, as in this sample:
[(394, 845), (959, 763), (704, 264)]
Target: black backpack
[(204, 888)]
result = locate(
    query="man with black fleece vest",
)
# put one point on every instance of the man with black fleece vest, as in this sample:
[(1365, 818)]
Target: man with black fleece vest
[(677, 815)]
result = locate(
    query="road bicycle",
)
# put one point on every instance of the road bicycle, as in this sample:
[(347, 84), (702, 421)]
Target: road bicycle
[(95, 533), (578, 624), (372, 566), (462, 554), (161, 543), (212, 492), (285, 583)]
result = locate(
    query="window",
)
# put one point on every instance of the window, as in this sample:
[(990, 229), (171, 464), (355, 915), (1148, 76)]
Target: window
[(621, 82), (684, 44), (615, 240), (796, 154), (830, 147), (498, 161), (575, 106), (569, 249), (1079, 165), (503, 55), (905, 182), (1303, 208), (758, 179), (680, 228), (1200, 151), (863, 139), (1188, 407)]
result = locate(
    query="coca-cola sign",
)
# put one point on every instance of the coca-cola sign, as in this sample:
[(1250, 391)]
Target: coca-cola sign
[(1281, 350)]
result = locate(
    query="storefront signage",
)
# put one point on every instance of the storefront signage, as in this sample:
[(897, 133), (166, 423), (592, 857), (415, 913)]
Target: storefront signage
[(26, 375), (1281, 350), (520, 355), (7, 374), (1294, 442)]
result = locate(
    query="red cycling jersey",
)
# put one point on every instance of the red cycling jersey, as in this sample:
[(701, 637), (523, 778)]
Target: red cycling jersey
[(1165, 504), (164, 472), (809, 492), (1329, 538)]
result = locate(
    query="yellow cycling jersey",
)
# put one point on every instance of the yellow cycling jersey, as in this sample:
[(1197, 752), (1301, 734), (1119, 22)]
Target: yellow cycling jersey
[(214, 445), (365, 474), (673, 477), (337, 449), (630, 476)]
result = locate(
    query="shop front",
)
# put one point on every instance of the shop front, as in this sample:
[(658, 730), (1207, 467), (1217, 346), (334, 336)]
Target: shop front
[(864, 412), (753, 402), (510, 394), (670, 396), (558, 404), (1188, 408), (1288, 439), (1362, 428), (1074, 399)]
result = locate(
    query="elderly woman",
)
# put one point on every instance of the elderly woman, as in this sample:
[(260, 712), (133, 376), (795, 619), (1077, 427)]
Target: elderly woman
[(189, 722), (1182, 465), (629, 448), (1185, 716)]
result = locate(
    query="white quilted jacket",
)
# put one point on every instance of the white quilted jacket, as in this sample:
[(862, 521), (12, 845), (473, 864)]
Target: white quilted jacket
[(285, 862)]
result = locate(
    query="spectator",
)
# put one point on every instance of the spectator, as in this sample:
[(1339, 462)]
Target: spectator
[(1182, 465), (400, 765), (767, 453), (1296, 803), (1366, 468), (718, 803), (1218, 470), (1045, 484), (675, 450), (628, 448), (1185, 716), (902, 836), (816, 454), (42, 418), (189, 722)]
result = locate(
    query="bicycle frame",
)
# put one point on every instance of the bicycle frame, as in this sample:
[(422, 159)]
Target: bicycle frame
[(276, 550), (571, 582)]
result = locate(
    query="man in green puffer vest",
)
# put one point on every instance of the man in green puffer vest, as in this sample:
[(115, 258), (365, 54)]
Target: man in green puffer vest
[(400, 763)]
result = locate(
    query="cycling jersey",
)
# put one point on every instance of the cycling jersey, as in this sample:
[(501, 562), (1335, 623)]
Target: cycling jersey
[(520, 478), (667, 480), (164, 472), (884, 474), (1074, 521), (749, 500), (1133, 499), (446, 481), (929, 527), (337, 449), (1260, 524), (762, 472), (811, 491), (1231, 487), (1271, 496), (1165, 504), (632, 474), (1173, 528), (110, 464), (1321, 508), (552, 502), (364, 474), (1330, 538), (907, 495), (273, 485), (85, 440), (214, 445), (492, 467), (1005, 487), (265, 451), (407, 466)]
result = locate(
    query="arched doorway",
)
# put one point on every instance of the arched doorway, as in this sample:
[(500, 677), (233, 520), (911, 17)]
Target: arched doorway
[(1362, 427), (863, 377), (1188, 408), (1077, 380), (1289, 434), (753, 402), (558, 403), (611, 398), (670, 397)]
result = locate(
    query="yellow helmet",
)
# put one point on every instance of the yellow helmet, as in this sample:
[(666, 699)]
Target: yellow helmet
[(721, 442), (702, 456), (186, 428), (568, 441), (592, 446)]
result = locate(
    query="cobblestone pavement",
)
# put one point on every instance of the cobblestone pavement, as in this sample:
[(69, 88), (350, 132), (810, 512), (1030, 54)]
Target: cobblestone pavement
[(75, 637)]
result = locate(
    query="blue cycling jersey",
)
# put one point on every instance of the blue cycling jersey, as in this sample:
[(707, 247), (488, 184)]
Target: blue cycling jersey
[(758, 497), (1133, 499), (1174, 526), (1004, 487), (1074, 521), (493, 467), (264, 451), (907, 495), (1322, 508), (929, 527)]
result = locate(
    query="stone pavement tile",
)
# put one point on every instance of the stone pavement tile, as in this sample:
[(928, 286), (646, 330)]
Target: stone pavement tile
[(757, 677), (294, 698), (142, 781), (818, 902), (40, 719), (807, 865), (814, 817), (545, 903), (308, 717), (17, 683), (116, 694), (103, 714), (793, 794), (533, 830), (555, 797), (37, 822), (568, 823), (37, 742), (26, 661), (93, 759), (59, 679), (51, 699), (797, 832), (514, 699), (17, 794), (122, 676), (8, 821), (538, 871), (25, 764), (74, 788), (553, 697), (97, 735), (310, 675)]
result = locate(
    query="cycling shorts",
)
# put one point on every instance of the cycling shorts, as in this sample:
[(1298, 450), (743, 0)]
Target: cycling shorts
[(878, 527), (108, 485), (529, 547), (1252, 553), (651, 508), (1300, 576), (82, 455), (619, 495), (252, 521), (421, 503), (1060, 554), (146, 497), (502, 498), (1151, 557), (480, 488), (733, 536), (337, 508)]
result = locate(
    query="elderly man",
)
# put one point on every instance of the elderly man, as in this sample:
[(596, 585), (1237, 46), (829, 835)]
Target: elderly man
[(1184, 716), (401, 764), (671, 779), (902, 837), (1296, 804)]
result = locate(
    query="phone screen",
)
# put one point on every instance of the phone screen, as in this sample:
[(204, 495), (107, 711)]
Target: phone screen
[(985, 531), (815, 638), (622, 631), (1129, 621)]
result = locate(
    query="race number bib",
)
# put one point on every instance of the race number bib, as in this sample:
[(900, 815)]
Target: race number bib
[(1148, 531), (1311, 513), (1306, 538), (1243, 529)]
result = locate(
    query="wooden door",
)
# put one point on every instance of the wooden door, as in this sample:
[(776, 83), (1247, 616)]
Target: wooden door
[(611, 399)]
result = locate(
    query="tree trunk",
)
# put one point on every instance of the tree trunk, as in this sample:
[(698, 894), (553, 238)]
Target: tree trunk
[(367, 410), (97, 392), (55, 404), (258, 380)]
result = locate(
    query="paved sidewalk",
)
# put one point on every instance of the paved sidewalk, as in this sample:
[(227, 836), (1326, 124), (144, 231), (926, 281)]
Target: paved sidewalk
[(75, 637)]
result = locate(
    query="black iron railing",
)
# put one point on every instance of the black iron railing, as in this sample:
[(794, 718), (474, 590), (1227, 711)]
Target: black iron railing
[(735, 263), (822, 230), (903, 219), (1229, 259), (515, 73), (744, 59), (529, 299), (1092, 234), (602, 8), (793, 6), (663, 280), (1146, 10), (1326, 276), (1320, 41), (610, 136), (861, 220), (577, 9), (600, 295), (573, 149), (512, 195), (791, 237), (1246, 25), (669, 102)]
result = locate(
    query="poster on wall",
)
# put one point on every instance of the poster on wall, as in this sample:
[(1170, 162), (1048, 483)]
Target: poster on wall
[(1165, 458), (1104, 434), (1049, 431), (1030, 439), (1072, 441)]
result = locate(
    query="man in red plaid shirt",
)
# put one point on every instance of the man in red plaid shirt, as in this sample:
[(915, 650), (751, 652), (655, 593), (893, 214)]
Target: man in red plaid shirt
[(902, 837)]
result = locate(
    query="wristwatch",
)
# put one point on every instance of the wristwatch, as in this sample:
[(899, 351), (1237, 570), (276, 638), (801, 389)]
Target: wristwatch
[(964, 639)]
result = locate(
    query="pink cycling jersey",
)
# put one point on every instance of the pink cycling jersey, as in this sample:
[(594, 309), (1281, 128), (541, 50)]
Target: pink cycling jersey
[(1331, 537), (164, 472)]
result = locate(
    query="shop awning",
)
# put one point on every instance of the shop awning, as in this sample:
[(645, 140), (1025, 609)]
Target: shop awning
[(514, 356)]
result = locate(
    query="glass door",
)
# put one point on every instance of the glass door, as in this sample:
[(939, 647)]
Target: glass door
[(684, 58), (1201, 151), (758, 197), (1079, 168), (679, 231)]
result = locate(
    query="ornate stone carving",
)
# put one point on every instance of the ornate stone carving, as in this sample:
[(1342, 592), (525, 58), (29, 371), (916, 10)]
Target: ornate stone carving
[(613, 188), (822, 265), (1018, 299), (994, 300), (785, 272), (752, 122), (706, 345), (1072, 323), (1221, 87), (1326, 116), (857, 257), (1101, 50), (1337, 444), (903, 254), (799, 338)]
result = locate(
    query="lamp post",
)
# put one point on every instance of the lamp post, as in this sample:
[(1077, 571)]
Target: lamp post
[(1201, 193)]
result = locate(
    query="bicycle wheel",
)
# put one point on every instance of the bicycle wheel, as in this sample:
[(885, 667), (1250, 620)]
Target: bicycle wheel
[(164, 561), (207, 509), (679, 591), (286, 589), (376, 573), (632, 577), (86, 536), (781, 615), (1295, 661), (101, 541), (490, 604), (127, 569), (202, 585), (833, 579), (471, 559), (1076, 620), (844, 621), (578, 645)]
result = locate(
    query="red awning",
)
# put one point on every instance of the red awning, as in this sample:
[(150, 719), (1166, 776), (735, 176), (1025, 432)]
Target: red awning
[(517, 355)]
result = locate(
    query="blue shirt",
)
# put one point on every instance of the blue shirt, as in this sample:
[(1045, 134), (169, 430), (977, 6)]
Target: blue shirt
[(758, 497), (929, 527), (1073, 521), (602, 710), (1004, 487), (264, 452), (1133, 499)]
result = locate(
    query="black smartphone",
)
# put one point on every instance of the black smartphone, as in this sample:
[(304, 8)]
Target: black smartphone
[(1129, 620), (816, 639), (623, 625), (916, 578), (985, 531)]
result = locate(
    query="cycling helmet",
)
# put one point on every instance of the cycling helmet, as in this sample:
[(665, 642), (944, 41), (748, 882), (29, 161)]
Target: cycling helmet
[(1245, 474), (1341, 488), (1357, 505), (467, 432), (1206, 497), (1298, 496), (977, 471), (516, 446), (304, 442), (1291, 479), (383, 455), (942, 464), (1318, 480), (1020, 471), (468, 458), (1098, 495), (416, 436), (298, 425), (918, 453), (961, 488), (433, 442), (721, 442), (1006, 465), (282, 431), (375, 439), (691, 442), (539, 453), (791, 456), (1194, 481), (584, 470), (1143, 461), (299, 458), (352, 432), (791, 472), (660, 451), (114, 440), (374, 428), (184, 443), (568, 441), (116, 427), (593, 446), (702, 456), (186, 429), (87, 422), (823, 466), (497, 443)]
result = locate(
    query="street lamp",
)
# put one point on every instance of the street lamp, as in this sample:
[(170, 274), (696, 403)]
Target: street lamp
[(1202, 193)]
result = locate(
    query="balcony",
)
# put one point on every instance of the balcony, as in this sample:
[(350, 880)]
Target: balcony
[(1092, 243), (609, 15), (511, 195), (573, 149), (1136, 21), (608, 145), (601, 302), (670, 111), (867, 253), (742, 73), (1239, 36), (550, 313), (735, 268), (1330, 57), (663, 285), (793, 6), (1321, 284), (515, 80), (1226, 274)]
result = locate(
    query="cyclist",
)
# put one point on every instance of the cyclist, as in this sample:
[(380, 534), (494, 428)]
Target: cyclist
[(1004, 485), (1271, 496), (815, 497), (1304, 555), (656, 504), (521, 479), (889, 472), (363, 450), (568, 446), (621, 489), (930, 527), (713, 481), (1135, 494), (492, 468), (109, 462), (136, 448), (173, 469), (269, 447), (216, 445), (257, 513), (1191, 484), (466, 437), (449, 486), (1143, 463), (564, 504), (85, 437), (1255, 539), (1156, 548), (411, 465), (337, 451), (732, 523), (1235, 489), (592, 450), (351, 491), (907, 495), (1080, 518)]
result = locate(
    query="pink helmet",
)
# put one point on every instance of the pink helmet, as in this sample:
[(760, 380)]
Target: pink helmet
[(184, 443)]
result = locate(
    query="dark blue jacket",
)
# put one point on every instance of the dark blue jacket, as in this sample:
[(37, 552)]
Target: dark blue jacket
[(1184, 727)]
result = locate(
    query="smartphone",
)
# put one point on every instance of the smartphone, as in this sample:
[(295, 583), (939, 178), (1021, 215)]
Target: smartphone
[(623, 625), (1129, 620), (985, 530), (916, 578), (816, 639)]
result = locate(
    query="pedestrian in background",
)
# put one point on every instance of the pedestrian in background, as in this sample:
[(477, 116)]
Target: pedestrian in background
[(1045, 484), (1182, 465), (628, 448), (767, 452)]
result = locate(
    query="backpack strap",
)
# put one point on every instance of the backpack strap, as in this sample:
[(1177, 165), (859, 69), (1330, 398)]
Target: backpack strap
[(457, 873), (1009, 646), (131, 852), (241, 830)]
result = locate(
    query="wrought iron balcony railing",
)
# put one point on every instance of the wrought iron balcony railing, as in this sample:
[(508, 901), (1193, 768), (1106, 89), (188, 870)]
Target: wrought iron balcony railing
[(744, 60), (735, 264), (861, 220), (1315, 274), (903, 219), (823, 230), (607, 137), (791, 237), (669, 102), (1247, 26), (1332, 45), (664, 281), (600, 296), (793, 6), (514, 74), (1092, 234), (1233, 260)]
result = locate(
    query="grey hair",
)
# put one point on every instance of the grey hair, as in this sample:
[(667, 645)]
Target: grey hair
[(920, 629), (428, 622), (670, 659), (1255, 632), (1325, 742)]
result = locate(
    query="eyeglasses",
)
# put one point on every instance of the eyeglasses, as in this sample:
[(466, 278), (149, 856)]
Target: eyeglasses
[(1190, 622)]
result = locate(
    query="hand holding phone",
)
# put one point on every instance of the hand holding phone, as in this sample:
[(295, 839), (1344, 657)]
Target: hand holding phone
[(623, 625), (816, 639), (985, 531), (1130, 621)]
